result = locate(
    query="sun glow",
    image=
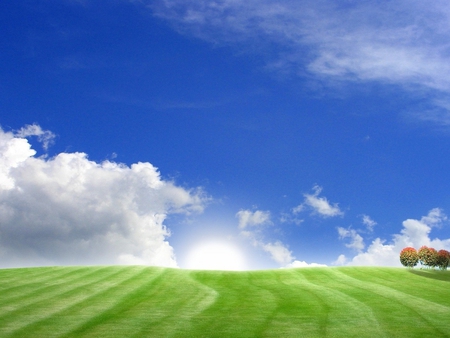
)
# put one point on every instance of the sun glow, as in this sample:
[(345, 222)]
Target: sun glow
[(215, 256)]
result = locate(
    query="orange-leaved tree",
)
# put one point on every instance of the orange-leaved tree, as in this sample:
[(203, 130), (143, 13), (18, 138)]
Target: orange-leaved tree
[(443, 259), (409, 257), (428, 256)]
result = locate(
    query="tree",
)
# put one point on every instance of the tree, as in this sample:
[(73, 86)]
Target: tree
[(443, 259), (432, 258), (428, 256), (409, 257), (422, 253)]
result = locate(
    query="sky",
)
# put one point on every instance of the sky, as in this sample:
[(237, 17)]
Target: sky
[(223, 134)]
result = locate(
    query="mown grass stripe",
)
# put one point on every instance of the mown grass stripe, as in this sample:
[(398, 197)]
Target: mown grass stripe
[(28, 281), (409, 282), (427, 311), (189, 298), (306, 312), (160, 302), (348, 315), (269, 305), (384, 308), (87, 301), (385, 305), (151, 308), (14, 276), (241, 306), (50, 299), (44, 283), (120, 302)]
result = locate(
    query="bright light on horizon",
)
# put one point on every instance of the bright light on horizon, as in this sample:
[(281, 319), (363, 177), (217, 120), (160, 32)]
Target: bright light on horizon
[(214, 255)]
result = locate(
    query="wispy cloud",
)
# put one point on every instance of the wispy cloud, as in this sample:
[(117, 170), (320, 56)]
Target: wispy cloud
[(368, 222), (279, 252), (404, 43), (46, 137), (319, 205), (290, 218), (70, 210), (251, 224), (253, 218)]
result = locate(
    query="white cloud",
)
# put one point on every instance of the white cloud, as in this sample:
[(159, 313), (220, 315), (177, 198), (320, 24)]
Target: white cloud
[(434, 218), (46, 137), (403, 42), (299, 208), (289, 218), (249, 218), (70, 210), (356, 243), (415, 233), (368, 222), (378, 253), (279, 252), (319, 205), (341, 260), (303, 264)]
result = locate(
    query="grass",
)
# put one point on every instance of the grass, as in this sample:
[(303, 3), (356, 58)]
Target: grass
[(160, 302)]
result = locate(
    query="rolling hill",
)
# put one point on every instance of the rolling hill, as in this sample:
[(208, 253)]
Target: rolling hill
[(137, 301)]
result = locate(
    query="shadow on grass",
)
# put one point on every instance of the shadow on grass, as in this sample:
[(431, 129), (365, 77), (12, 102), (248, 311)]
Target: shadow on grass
[(434, 274)]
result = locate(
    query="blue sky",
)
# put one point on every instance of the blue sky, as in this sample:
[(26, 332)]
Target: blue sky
[(134, 132)]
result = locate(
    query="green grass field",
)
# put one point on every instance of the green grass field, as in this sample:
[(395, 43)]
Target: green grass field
[(158, 302)]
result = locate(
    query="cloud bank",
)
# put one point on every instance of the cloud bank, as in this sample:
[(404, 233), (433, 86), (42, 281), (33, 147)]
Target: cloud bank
[(403, 43), (70, 210), (414, 233), (303, 264)]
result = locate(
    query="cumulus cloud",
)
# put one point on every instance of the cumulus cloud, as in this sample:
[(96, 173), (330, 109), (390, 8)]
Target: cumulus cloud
[(319, 205), (356, 241), (255, 218), (402, 42), (341, 260), (414, 233), (71, 210)]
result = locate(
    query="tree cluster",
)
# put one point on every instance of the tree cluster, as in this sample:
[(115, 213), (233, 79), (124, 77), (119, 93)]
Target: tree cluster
[(428, 257)]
